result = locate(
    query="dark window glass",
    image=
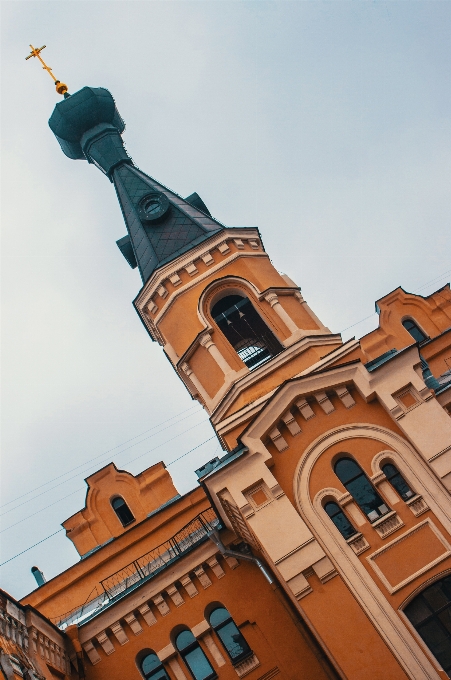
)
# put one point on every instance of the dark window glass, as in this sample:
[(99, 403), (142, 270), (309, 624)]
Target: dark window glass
[(232, 640), (397, 481), (430, 613), (194, 657), (122, 510), (245, 330), (340, 520), (363, 492), (414, 331), (152, 668)]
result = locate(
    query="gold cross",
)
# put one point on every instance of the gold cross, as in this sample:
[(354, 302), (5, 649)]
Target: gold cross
[(61, 88)]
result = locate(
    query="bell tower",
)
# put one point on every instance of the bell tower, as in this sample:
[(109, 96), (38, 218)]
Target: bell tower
[(231, 325)]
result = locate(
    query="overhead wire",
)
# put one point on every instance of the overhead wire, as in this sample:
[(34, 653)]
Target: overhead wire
[(437, 278), (143, 454), (59, 530), (93, 466), (77, 467), (41, 510), (31, 546)]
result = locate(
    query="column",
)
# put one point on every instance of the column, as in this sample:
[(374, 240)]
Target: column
[(273, 300), (207, 342), (197, 384)]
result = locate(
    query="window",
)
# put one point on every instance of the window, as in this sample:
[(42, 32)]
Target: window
[(430, 613), (340, 520), (356, 482), (194, 657), (231, 638), (245, 330), (152, 668), (122, 510), (414, 331), (397, 481)]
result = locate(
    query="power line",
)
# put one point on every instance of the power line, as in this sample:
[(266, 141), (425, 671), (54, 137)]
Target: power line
[(41, 510), (84, 464), (59, 530), (141, 455), (77, 467), (357, 322), (94, 466), (31, 546), (437, 278)]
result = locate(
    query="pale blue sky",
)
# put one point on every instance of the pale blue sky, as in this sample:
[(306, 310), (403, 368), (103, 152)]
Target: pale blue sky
[(324, 123)]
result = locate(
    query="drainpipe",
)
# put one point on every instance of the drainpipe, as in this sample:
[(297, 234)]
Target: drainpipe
[(214, 536), (72, 634), (329, 666)]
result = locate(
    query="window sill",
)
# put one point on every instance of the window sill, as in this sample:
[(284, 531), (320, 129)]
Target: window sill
[(417, 505), (388, 524), (246, 666), (382, 518), (237, 662), (358, 543)]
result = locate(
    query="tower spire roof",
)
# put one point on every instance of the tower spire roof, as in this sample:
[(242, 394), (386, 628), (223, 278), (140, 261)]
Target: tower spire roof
[(158, 238), (161, 225)]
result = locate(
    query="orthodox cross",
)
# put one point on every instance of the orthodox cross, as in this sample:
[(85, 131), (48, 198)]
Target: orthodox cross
[(61, 88)]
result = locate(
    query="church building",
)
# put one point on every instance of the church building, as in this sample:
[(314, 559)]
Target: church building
[(318, 546)]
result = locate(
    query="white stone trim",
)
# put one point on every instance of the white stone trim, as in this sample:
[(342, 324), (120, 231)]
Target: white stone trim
[(273, 301), (385, 620), (358, 543), (324, 401), (417, 505), (176, 669), (91, 652), (206, 341), (105, 643), (214, 650), (291, 423), (119, 633), (273, 364), (388, 524), (254, 408), (277, 439), (394, 588), (175, 596), (202, 576), (246, 666)]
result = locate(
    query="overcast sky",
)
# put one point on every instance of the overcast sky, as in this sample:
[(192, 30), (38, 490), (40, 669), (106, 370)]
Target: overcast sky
[(326, 124)]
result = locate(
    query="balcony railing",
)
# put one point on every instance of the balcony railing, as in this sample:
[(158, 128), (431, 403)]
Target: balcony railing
[(145, 567)]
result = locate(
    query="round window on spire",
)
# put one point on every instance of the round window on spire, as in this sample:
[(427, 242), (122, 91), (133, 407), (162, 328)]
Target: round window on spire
[(153, 207)]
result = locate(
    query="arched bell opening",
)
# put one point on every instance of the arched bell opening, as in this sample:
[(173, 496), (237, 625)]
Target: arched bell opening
[(246, 331)]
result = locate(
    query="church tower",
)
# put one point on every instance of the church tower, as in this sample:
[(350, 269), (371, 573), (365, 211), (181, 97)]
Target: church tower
[(231, 325), (338, 471)]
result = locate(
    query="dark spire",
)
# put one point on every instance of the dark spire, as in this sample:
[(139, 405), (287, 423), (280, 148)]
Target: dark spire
[(161, 225)]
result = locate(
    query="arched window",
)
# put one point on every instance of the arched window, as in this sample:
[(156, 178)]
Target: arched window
[(246, 331), (194, 657), (397, 481), (122, 510), (340, 520), (359, 486), (152, 668), (231, 638), (414, 331), (430, 613)]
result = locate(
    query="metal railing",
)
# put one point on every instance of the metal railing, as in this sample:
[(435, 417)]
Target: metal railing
[(145, 567), (160, 557)]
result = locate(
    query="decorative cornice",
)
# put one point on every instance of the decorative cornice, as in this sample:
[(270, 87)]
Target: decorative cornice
[(258, 373), (255, 407), (199, 252)]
